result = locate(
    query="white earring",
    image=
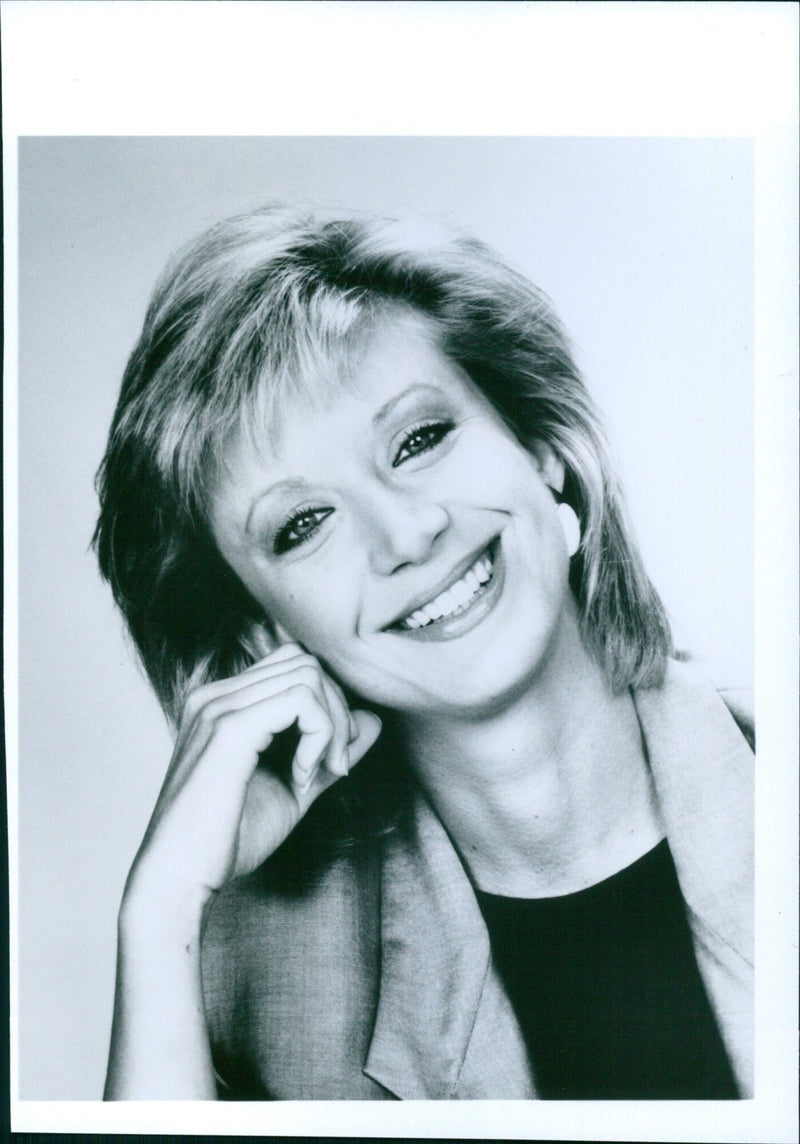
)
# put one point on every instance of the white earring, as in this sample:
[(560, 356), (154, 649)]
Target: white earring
[(570, 526)]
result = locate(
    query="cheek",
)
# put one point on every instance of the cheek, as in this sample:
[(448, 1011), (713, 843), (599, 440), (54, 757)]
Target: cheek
[(316, 608), (494, 467), (302, 615)]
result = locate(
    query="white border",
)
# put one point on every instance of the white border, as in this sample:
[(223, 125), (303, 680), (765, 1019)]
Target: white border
[(11, 567), (709, 69), (475, 67)]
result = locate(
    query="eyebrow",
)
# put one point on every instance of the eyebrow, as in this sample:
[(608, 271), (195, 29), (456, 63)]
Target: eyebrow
[(296, 484), (385, 410), (290, 485)]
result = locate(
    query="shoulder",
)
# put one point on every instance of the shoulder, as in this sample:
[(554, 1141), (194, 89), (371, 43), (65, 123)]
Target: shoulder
[(691, 733), (690, 692), (739, 701)]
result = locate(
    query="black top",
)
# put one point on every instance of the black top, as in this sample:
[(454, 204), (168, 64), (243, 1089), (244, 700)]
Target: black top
[(606, 988)]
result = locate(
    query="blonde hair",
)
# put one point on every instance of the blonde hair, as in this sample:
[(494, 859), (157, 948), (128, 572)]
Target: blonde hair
[(253, 310)]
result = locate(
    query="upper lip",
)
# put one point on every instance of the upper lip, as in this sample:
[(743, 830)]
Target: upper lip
[(428, 594)]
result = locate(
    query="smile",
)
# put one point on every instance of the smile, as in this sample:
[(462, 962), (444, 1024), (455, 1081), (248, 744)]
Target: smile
[(457, 598)]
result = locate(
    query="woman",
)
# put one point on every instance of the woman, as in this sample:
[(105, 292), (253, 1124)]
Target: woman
[(356, 502)]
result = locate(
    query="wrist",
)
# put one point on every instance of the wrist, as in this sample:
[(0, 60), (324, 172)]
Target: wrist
[(157, 911)]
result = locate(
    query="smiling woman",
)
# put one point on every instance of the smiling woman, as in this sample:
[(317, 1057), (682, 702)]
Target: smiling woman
[(365, 530), (357, 502)]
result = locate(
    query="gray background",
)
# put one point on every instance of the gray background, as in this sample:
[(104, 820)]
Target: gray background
[(645, 246)]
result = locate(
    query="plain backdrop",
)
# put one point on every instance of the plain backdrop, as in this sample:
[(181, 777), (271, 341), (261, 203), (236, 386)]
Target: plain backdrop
[(645, 247)]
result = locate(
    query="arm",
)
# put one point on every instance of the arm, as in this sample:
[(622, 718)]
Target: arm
[(159, 1044), (219, 815)]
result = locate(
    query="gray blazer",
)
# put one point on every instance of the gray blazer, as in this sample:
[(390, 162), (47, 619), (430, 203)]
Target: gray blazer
[(376, 982)]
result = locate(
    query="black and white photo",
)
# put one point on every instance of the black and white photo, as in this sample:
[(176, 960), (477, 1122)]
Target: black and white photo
[(386, 569)]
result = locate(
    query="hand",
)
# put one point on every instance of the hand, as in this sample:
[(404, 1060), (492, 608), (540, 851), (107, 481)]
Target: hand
[(219, 815)]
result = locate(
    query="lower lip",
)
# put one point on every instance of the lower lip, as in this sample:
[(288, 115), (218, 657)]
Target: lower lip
[(451, 627)]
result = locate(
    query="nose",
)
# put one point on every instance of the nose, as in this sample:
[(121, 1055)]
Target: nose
[(402, 529)]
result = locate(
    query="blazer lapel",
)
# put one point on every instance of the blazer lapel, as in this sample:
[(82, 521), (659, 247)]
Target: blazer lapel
[(444, 1027), (703, 771)]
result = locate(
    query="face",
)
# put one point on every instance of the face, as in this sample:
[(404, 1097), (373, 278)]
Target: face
[(402, 534)]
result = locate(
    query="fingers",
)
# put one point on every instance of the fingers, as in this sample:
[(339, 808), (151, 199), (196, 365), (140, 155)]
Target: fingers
[(272, 665), (368, 728), (218, 813), (243, 731), (283, 652), (338, 760), (362, 727), (258, 721), (293, 658), (287, 668)]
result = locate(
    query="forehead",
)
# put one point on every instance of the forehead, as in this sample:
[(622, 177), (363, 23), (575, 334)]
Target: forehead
[(396, 351), (396, 345)]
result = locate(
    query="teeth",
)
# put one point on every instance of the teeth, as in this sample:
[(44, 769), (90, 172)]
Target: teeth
[(454, 598), (447, 601), (461, 592), (419, 618), (483, 570)]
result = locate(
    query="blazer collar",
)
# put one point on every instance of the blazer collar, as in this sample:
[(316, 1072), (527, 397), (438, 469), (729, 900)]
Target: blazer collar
[(703, 771), (704, 777), (444, 1027)]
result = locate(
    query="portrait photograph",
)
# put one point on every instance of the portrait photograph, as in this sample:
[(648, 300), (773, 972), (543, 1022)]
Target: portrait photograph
[(393, 646)]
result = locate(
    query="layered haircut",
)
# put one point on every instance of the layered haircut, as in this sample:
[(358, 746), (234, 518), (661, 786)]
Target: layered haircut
[(268, 305)]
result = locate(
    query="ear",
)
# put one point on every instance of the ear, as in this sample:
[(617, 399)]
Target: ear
[(549, 466)]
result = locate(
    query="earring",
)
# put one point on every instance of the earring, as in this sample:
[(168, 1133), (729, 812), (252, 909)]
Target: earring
[(570, 526)]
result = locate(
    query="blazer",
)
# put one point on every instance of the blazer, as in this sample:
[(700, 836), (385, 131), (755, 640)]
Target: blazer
[(374, 980)]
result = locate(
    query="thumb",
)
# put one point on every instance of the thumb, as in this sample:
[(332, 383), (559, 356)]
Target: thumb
[(368, 727)]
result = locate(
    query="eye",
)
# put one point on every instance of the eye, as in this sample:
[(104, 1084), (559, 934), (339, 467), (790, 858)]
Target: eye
[(422, 438), (299, 528)]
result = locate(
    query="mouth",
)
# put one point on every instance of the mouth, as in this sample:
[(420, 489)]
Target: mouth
[(457, 598)]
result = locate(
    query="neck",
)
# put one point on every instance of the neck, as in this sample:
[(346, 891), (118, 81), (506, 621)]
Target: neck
[(548, 794)]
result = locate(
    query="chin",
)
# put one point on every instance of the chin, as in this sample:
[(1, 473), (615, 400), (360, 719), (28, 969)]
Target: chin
[(487, 687)]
